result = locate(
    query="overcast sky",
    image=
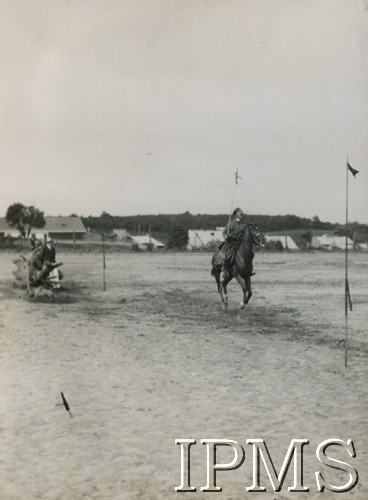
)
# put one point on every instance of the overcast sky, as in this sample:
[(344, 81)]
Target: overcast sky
[(148, 106)]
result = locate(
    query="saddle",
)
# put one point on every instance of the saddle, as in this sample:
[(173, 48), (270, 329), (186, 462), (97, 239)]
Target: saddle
[(227, 249)]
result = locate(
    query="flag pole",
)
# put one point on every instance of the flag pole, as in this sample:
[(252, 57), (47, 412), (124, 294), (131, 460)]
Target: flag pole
[(347, 290), (103, 263), (346, 263)]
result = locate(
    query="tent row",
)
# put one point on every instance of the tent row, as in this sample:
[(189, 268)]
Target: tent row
[(202, 239)]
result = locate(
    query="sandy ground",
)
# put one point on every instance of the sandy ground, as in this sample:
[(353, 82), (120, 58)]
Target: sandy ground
[(154, 358)]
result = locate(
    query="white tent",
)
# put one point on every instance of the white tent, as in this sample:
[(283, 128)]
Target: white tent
[(329, 242), (286, 241), (199, 238), (145, 241), (121, 234)]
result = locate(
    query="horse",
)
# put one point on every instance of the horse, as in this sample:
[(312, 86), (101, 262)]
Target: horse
[(242, 266), (34, 272)]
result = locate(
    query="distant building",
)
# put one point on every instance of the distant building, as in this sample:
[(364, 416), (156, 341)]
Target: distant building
[(330, 242), (146, 241), (6, 230), (200, 238), (360, 240), (120, 234), (61, 228), (58, 228), (287, 241), (92, 235)]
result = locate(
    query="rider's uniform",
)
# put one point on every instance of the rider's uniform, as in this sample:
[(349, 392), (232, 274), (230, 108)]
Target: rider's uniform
[(49, 254), (234, 229), (232, 233)]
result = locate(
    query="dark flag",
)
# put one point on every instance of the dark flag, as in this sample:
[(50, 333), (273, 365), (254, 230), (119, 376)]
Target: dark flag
[(237, 176), (352, 170), (348, 295)]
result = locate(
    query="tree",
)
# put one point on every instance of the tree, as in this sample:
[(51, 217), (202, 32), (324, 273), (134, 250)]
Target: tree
[(24, 218), (106, 222), (14, 216), (316, 223), (178, 237), (106, 215)]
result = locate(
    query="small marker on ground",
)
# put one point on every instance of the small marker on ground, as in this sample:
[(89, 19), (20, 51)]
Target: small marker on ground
[(66, 405)]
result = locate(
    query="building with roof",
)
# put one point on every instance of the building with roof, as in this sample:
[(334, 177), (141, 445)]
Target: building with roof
[(7, 231), (61, 228), (58, 228)]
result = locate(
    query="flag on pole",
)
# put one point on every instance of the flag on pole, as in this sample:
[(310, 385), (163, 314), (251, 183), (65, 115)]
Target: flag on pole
[(237, 176), (352, 170), (347, 291)]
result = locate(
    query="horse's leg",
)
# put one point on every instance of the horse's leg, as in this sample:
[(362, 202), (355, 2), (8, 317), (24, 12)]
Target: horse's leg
[(30, 290), (226, 278), (217, 273), (243, 285), (248, 289)]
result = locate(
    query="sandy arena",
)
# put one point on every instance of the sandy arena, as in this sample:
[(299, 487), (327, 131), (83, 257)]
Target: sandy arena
[(154, 358)]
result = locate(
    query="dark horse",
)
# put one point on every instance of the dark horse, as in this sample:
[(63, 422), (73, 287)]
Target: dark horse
[(242, 266)]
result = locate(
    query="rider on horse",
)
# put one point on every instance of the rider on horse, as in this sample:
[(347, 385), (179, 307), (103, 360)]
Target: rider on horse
[(232, 234), (42, 262)]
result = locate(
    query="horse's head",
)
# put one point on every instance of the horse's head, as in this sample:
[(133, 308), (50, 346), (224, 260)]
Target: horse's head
[(253, 228), (252, 235), (260, 239)]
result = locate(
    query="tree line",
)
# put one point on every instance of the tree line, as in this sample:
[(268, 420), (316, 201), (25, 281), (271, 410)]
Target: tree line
[(164, 222), (175, 226)]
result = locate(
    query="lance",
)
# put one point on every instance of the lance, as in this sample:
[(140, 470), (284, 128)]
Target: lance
[(232, 199)]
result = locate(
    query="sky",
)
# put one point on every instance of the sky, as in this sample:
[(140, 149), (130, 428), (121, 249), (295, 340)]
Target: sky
[(144, 107)]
